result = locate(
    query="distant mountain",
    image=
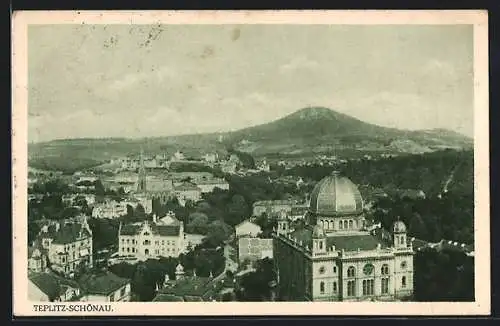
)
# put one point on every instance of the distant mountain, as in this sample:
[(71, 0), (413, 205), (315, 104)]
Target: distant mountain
[(311, 130), (319, 129)]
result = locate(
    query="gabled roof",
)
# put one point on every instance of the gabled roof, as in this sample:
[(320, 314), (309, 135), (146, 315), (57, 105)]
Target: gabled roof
[(69, 233), (103, 283), (157, 229), (50, 284)]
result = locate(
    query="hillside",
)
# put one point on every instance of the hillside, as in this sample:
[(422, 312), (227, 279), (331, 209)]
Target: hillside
[(319, 129), (307, 131)]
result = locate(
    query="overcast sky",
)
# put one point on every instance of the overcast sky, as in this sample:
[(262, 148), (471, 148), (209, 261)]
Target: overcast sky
[(138, 81)]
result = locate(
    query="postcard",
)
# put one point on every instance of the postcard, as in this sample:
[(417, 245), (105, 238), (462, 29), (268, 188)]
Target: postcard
[(172, 163)]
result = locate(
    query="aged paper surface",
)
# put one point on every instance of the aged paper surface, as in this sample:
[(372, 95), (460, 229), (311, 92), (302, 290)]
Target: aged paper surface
[(56, 126)]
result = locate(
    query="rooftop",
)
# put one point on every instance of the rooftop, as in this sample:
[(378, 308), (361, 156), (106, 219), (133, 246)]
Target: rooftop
[(51, 284), (69, 233), (102, 283), (157, 229)]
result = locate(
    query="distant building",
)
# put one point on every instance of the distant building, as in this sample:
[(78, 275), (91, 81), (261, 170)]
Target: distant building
[(211, 157), (334, 257), (192, 240), (187, 191), (229, 167), (161, 238), (298, 212), (48, 287), (104, 287), (113, 209), (253, 249), (208, 185), (272, 207), (247, 228)]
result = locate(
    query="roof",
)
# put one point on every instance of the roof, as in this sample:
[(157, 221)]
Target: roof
[(354, 242), (157, 229), (167, 298), (190, 286), (186, 187), (246, 222), (336, 196), (102, 283), (273, 202), (69, 233), (211, 181), (51, 284)]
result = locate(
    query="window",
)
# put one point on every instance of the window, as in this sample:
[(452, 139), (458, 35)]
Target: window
[(322, 270), (345, 225), (322, 287), (403, 265), (351, 288), (368, 287), (145, 233), (123, 249), (112, 297), (133, 249), (123, 240), (351, 272), (368, 269), (147, 242), (341, 226), (146, 252), (128, 241), (128, 249), (122, 292), (321, 245), (334, 287), (385, 269), (385, 285), (351, 224), (335, 269), (403, 282), (162, 242)]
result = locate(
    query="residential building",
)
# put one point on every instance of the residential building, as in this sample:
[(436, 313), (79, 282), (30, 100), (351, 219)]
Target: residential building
[(160, 238), (272, 207), (113, 209), (37, 258), (187, 191), (247, 228), (192, 240), (49, 287), (208, 185), (104, 286), (335, 258), (69, 245), (253, 249)]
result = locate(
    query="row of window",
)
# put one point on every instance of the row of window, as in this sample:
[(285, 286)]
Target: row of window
[(148, 242), (368, 269), (157, 251), (343, 224), (73, 245)]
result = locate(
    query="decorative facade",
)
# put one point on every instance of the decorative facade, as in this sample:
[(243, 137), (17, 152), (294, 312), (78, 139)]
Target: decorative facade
[(160, 238), (335, 258)]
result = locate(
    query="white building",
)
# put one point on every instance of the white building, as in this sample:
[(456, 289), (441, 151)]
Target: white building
[(160, 238), (247, 228), (104, 287), (208, 185)]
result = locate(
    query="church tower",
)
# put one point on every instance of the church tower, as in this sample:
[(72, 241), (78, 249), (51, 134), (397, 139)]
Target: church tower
[(141, 186), (283, 224)]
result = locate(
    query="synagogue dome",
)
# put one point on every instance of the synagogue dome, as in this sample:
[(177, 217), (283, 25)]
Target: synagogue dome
[(335, 195)]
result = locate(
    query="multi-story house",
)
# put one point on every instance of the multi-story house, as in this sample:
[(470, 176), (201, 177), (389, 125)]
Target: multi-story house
[(69, 246)]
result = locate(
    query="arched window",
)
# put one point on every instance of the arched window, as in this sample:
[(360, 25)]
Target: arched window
[(345, 224), (351, 288), (331, 225), (146, 252), (403, 282), (335, 269), (322, 287), (385, 269), (351, 224), (351, 271), (341, 226)]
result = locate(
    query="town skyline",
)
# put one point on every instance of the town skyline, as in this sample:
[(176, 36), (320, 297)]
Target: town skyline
[(122, 81)]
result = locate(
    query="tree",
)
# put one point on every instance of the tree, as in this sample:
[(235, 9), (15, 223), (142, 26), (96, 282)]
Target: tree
[(198, 223)]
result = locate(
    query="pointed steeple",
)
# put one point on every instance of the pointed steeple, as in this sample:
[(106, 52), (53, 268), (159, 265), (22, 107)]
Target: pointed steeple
[(141, 186)]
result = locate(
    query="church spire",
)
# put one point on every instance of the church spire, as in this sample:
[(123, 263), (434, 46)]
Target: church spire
[(141, 187)]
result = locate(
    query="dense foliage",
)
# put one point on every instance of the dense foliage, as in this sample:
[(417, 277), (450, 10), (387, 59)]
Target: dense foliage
[(446, 275)]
